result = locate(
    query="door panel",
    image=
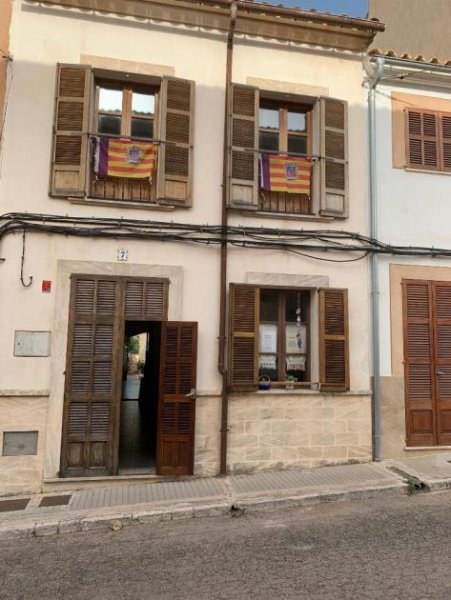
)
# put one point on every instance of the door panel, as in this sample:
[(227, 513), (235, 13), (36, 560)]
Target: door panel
[(92, 377), (442, 328), (176, 411), (427, 353), (419, 368)]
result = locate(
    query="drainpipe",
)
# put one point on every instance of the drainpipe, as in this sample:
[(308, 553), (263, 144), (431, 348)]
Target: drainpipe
[(373, 80), (223, 267)]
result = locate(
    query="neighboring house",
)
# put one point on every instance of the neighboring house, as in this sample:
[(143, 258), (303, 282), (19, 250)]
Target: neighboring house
[(413, 28), (412, 153), (91, 258)]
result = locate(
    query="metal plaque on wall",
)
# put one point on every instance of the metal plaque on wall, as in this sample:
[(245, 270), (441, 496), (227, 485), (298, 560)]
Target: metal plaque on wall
[(32, 343)]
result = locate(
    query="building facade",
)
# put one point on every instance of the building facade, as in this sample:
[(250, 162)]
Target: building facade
[(242, 288), (411, 154)]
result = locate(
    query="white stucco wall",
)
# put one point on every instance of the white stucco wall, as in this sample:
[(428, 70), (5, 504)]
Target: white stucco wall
[(414, 207)]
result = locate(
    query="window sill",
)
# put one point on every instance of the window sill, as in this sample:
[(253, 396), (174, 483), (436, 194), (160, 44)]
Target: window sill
[(302, 392), (289, 216), (428, 171), (121, 203)]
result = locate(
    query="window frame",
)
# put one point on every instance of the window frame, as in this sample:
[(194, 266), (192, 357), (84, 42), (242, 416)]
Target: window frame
[(281, 352), (439, 139), (283, 108), (292, 205), (127, 89), (114, 189)]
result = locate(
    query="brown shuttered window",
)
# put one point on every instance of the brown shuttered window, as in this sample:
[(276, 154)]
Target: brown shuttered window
[(269, 338), (243, 146), (259, 125), (243, 336), (333, 339), (334, 157), (70, 130), (428, 140), (175, 159)]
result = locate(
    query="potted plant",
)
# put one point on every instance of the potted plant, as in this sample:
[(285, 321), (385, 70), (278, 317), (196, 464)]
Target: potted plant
[(290, 381)]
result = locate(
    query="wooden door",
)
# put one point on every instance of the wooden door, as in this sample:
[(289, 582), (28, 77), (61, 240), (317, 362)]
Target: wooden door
[(442, 354), (92, 387), (427, 359), (176, 409)]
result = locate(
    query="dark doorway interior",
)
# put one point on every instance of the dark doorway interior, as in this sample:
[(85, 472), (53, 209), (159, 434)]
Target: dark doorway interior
[(139, 403)]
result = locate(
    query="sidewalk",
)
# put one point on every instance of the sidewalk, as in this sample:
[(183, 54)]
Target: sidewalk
[(120, 505)]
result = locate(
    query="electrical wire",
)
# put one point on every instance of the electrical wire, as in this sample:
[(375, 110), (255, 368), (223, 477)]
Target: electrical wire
[(311, 244)]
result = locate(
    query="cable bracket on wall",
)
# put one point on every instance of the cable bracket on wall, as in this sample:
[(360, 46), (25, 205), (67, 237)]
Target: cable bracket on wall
[(30, 278)]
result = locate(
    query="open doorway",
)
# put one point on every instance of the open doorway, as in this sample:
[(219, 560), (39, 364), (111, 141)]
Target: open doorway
[(139, 402)]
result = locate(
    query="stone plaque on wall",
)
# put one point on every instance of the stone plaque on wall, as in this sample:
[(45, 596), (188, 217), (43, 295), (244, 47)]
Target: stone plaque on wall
[(32, 343), (20, 443)]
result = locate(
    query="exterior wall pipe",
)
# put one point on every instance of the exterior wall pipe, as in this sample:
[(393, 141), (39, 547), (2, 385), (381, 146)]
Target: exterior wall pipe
[(223, 267), (373, 80)]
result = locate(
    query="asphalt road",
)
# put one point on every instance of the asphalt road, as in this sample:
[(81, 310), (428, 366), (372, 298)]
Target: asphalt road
[(392, 548)]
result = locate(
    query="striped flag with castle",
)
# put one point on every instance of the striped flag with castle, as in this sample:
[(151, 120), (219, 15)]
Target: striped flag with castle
[(124, 158), (282, 173)]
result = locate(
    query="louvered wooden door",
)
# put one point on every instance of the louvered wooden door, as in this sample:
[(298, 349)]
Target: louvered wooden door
[(92, 387), (427, 354), (176, 410)]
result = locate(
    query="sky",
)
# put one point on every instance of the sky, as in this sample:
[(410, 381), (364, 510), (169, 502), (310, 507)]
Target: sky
[(353, 8)]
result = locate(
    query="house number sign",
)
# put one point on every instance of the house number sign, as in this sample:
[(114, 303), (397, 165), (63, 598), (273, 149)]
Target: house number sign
[(122, 254)]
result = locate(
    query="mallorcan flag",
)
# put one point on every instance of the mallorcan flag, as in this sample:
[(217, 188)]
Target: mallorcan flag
[(281, 173), (124, 158)]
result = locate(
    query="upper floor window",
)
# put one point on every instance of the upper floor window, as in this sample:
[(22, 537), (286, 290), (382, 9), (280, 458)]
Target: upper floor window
[(126, 112), (147, 125), (284, 131), (287, 156), (429, 140)]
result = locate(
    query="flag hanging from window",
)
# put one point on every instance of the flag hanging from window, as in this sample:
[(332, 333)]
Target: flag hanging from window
[(124, 158), (281, 173)]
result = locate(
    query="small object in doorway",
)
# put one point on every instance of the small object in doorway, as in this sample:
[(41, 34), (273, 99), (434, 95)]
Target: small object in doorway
[(264, 383)]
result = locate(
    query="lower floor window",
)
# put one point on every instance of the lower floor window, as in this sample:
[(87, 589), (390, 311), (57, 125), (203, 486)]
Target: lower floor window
[(298, 335), (283, 335)]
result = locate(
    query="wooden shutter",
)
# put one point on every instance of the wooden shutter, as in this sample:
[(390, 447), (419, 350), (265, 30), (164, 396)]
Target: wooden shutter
[(146, 299), (176, 411), (445, 122), (334, 157), (418, 363), (175, 153), (441, 293), (422, 139), (244, 303), (92, 386), (70, 130), (242, 143), (333, 340)]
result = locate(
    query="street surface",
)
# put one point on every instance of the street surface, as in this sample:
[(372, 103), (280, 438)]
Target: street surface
[(389, 548)]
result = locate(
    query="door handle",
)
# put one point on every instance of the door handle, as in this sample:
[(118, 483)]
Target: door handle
[(191, 394), (438, 372)]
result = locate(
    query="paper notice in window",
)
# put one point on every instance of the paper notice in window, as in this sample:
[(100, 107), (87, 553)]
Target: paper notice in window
[(268, 337), (295, 363), (294, 343), (267, 361)]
